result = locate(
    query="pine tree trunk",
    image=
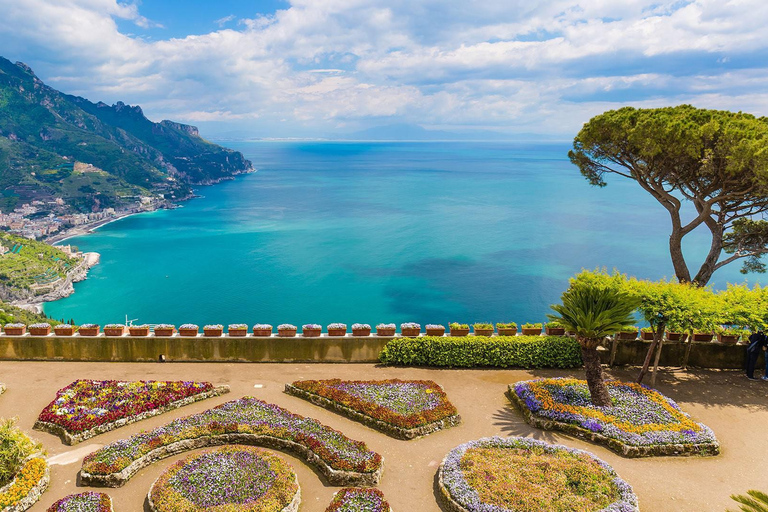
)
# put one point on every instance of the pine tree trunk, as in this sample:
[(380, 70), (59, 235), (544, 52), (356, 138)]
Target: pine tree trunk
[(594, 370)]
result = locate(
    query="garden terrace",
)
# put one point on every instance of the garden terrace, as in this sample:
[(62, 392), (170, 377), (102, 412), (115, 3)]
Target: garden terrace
[(515, 473), (355, 499), (641, 421), (247, 421), (401, 409), (87, 408)]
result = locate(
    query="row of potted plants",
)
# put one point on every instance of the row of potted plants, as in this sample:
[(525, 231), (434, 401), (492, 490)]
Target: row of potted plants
[(725, 335)]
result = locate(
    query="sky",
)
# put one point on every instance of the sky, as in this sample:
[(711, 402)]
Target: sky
[(323, 68)]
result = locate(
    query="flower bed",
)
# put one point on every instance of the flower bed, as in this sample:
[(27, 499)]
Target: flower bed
[(84, 502), (401, 409), (245, 421), (26, 487), (515, 473), (356, 499), (231, 478), (87, 408), (641, 422)]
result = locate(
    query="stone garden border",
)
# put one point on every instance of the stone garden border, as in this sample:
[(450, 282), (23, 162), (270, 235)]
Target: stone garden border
[(387, 428), (335, 477), (34, 493), (71, 439), (626, 450)]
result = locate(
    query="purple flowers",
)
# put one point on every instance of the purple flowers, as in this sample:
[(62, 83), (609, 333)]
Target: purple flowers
[(84, 502)]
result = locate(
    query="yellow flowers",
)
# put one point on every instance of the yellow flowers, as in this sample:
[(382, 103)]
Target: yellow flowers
[(28, 477)]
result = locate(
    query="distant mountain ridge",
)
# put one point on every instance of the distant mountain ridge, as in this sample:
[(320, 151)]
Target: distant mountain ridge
[(43, 132)]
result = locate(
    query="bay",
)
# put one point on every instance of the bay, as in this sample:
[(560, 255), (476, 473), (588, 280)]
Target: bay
[(429, 232)]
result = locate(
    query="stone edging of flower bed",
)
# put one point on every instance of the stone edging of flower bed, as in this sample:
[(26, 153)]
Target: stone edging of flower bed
[(293, 506), (387, 428), (447, 501), (335, 477), (32, 496), (617, 446), (71, 439)]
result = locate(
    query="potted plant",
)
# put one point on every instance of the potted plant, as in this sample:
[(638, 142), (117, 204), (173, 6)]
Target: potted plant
[(337, 329), (646, 333), (435, 330), (165, 330), (410, 329), (114, 330), (702, 336), (237, 330), (14, 329), (554, 329), (483, 329), (89, 330), (507, 328), (531, 329), (627, 333), (41, 329), (728, 335), (311, 330), (64, 329), (286, 330), (189, 330), (361, 330), (213, 330), (674, 336), (138, 330), (385, 330), (262, 330), (458, 329)]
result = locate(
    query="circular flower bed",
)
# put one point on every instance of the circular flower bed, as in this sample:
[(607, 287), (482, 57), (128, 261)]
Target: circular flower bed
[(240, 478), (357, 499), (517, 474), (84, 502), (640, 422)]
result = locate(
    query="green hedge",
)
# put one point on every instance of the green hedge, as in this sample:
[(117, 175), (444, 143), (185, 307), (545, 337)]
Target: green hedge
[(469, 351)]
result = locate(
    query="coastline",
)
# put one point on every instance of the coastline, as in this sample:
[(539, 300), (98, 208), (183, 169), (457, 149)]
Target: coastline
[(88, 228)]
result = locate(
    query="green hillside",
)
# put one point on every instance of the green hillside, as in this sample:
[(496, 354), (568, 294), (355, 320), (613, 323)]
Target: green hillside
[(30, 263), (43, 132)]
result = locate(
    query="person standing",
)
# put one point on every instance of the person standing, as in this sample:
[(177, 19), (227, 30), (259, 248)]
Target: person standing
[(757, 342)]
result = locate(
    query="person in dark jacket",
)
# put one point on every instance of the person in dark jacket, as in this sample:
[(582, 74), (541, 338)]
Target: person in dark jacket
[(757, 343)]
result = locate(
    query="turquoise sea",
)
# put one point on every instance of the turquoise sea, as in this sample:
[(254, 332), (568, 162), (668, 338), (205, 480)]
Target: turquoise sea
[(373, 232)]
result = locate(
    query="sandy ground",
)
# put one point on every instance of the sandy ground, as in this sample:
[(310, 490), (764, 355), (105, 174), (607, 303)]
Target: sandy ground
[(735, 408)]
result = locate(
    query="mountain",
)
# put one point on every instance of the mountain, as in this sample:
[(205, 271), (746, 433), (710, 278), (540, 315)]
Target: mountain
[(94, 155)]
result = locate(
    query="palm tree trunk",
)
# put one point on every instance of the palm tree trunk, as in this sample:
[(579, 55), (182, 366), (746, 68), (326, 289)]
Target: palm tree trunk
[(593, 368)]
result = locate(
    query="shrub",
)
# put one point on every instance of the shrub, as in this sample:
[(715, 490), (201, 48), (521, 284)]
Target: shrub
[(456, 325), (507, 325), (533, 326), (554, 325), (469, 351), (482, 326), (15, 446)]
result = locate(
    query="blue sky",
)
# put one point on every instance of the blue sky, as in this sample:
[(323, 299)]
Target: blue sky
[(319, 68)]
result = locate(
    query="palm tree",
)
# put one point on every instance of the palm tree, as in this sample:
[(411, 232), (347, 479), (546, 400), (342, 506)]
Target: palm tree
[(755, 501), (593, 312)]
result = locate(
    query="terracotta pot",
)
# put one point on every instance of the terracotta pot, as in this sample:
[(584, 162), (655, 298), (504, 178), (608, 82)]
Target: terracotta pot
[(40, 331), (532, 331), (555, 331), (503, 331), (89, 331), (15, 331), (138, 331), (410, 332), (238, 333), (337, 332), (189, 332), (286, 333), (460, 332), (213, 333), (701, 336), (114, 331), (483, 332), (64, 330), (164, 333), (361, 332), (728, 339), (646, 336), (626, 336), (389, 331), (436, 332), (262, 333), (674, 336), (311, 333)]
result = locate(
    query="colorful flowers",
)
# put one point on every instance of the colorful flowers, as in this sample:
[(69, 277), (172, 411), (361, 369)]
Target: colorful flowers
[(360, 327), (33, 474), (385, 326), (15, 325), (262, 327), (213, 327), (638, 416), (247, 416), (311, 327), (515, 473), (232, 478), (286, 327), (189, 326), (168, 327), (85, 405), (84, 502), (237, 327), (43, 325), (410, 325), (358, 499), (338, 326)]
